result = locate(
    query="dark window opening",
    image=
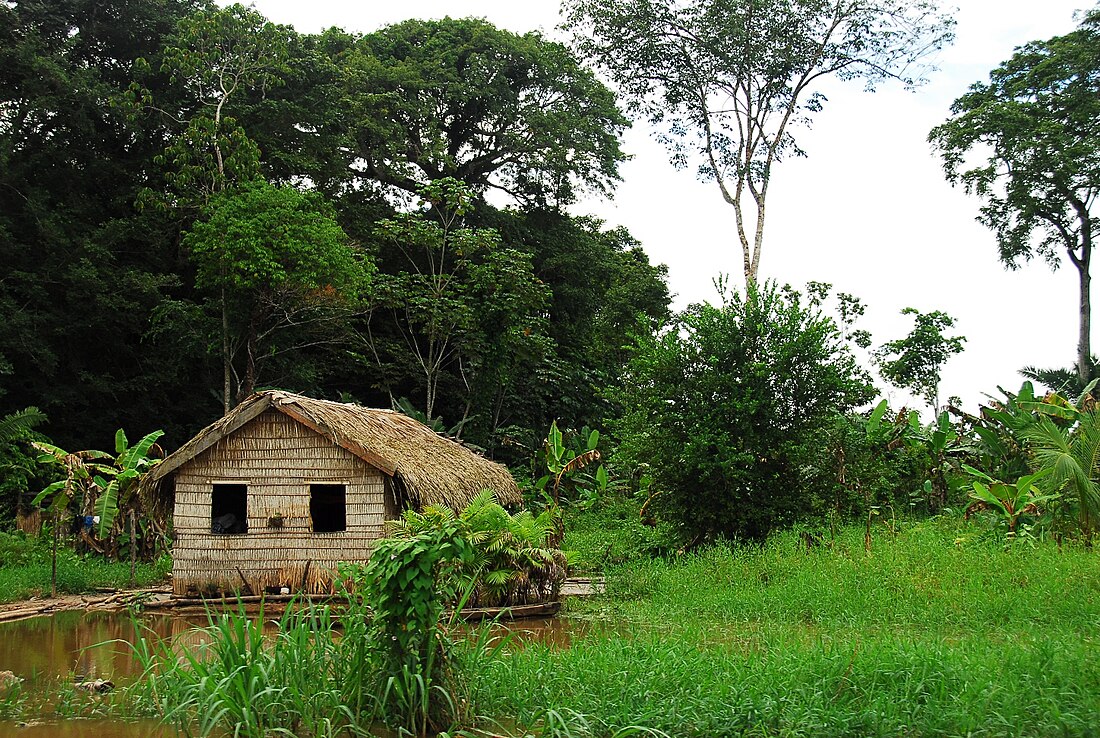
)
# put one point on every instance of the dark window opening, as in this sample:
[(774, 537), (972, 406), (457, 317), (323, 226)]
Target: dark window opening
[(229, 509), (328, 508)]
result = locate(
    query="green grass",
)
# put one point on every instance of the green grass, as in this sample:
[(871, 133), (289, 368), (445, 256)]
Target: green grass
[(931, 576), (25, 570), (936, 631)]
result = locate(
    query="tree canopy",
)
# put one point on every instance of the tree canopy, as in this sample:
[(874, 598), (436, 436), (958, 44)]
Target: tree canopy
[(915, 362), (1026, 143), (281, 263), (463, 99), (193, 200)]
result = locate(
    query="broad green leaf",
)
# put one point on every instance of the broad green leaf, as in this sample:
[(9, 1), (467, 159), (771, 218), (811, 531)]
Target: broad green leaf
[(875, 419), (107, 508), (49, 490)]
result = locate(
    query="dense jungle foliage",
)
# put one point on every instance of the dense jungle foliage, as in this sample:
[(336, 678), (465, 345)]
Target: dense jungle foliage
[(124, 155), (196, 202)]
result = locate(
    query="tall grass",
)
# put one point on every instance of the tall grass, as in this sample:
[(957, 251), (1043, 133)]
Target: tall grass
[(887, 685), (241, 681), (934, 575), (932, 632)]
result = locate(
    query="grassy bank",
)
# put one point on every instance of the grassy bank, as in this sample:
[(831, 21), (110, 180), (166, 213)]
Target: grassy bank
[(25, 570), (936, 631)]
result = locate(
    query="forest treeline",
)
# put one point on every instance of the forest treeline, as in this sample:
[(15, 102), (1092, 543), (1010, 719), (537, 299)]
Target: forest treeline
[(196, 202)]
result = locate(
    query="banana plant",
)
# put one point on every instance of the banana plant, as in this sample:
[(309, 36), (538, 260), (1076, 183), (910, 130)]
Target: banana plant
[(562, 461), (943, 444), (130, 464), (105, 483), (1009, 502), (83, 474), (1060, 408), (80, 478)]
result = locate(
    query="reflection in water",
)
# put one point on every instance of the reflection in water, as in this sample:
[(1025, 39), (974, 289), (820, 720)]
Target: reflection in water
[(554, 632), (87, 728), (52, 652)]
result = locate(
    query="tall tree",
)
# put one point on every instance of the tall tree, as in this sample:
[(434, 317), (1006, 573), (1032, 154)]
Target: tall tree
[(730, 80), (1027, 144), (462, 302), (219, 55), (463, 99), (604, 293)]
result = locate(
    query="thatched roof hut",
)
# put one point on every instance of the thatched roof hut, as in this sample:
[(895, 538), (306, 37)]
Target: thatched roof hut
[(278, 491)]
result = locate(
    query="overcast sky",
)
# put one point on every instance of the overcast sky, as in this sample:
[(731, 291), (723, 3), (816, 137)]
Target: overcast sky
[(868, 210)]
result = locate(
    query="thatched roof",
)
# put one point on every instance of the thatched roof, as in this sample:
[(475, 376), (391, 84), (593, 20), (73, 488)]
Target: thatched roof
[(435, 470)]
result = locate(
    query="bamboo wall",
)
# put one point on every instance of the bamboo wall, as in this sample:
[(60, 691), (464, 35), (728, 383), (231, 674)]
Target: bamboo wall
[(278, 458)]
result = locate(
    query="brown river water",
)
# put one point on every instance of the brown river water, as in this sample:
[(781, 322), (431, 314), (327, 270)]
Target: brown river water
[(52, 653)]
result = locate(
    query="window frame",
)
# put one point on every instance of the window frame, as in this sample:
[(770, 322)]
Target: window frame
[(243, 520)]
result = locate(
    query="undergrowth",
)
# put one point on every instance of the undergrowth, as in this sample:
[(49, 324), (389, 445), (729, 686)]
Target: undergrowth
[(612, 533)]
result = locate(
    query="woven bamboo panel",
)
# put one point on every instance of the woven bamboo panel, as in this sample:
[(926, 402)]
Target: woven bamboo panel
[(278, 458)]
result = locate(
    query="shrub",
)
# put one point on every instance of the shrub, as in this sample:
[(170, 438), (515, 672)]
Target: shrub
[(723, 406)]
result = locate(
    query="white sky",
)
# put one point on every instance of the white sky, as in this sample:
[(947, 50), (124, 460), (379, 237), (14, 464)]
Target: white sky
[(868, 210)]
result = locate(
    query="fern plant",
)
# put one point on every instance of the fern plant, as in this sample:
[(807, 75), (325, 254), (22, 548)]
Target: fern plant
[(512, 561), (14, 424)]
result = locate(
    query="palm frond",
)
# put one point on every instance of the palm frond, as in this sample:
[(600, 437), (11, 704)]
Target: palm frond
[(1073, 457), (16, 423)]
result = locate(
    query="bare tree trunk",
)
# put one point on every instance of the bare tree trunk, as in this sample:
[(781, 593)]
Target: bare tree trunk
[(53, 562), (248, 386), (133, 547), (1084, 343), (227, 358), (1084, 339)]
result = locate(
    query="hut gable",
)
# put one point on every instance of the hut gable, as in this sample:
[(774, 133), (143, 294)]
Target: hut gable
[(284, 487)]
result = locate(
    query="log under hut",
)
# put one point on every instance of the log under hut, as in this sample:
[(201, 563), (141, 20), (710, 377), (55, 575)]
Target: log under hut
[(284, 487)]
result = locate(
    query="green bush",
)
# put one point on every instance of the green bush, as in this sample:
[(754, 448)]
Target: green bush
[(21, 476), (849, 470), (725, 405)]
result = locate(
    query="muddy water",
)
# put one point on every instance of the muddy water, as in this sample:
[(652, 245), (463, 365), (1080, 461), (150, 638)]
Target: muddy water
[(52, 653)]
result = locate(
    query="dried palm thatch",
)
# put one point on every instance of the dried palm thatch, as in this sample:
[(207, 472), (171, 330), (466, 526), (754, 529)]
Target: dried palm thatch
[(434, 470)]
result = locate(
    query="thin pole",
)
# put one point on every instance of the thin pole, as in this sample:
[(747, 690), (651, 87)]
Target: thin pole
[(53, 567), (133, 547)]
